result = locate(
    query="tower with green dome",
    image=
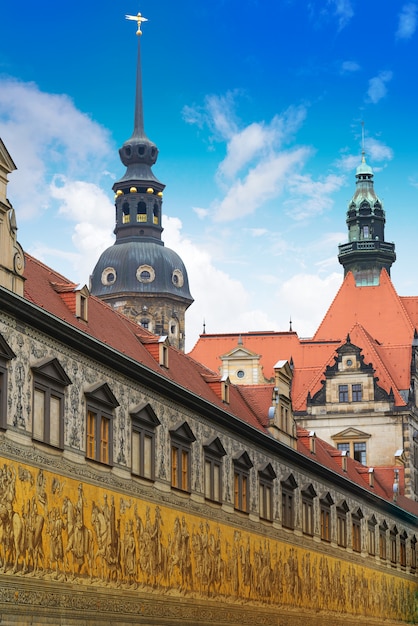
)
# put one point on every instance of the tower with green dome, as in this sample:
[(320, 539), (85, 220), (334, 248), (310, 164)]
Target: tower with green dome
[(366, 252)]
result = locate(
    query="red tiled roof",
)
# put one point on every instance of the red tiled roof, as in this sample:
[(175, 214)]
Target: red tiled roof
[(379, 321), (247, 403), (125, 336)]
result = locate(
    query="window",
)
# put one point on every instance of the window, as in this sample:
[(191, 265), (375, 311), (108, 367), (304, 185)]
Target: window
[(402, 549), (360, 451), (308, 495), (266, 477), (288, 502), (393, 546), (355, 449), (371, 536), (356, 518), (342, 510), (242, 466), (6, 354), (356, 393), (413, 554), (382, 541), (49, 382), (101, 404), (181, 442), (342, 393), (213, 451), (144, 423), (325, 516)]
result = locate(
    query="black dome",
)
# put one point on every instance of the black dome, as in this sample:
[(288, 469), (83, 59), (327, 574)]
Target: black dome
[(140, 267)]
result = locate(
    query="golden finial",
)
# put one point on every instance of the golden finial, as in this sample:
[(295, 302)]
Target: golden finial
[(138, 19)]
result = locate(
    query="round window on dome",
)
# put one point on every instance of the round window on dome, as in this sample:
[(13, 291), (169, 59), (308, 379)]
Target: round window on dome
[(145, 274), (108, 276), (177, 278)]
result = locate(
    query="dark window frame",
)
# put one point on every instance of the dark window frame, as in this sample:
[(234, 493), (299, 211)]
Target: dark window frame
[(242, 467), (393, 546), (266, 478), (100, 407), (50, 379), (357, 392), (288, 502), (213, 452), (342, 393), (342, 510), (356, 535), (182, 438), (308, 514), (383, 528), (325, 503), (6, 355), (371, 536), (144, 423)]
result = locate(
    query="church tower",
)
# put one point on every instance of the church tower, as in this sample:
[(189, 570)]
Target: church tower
[(138, 275), (366, 252)]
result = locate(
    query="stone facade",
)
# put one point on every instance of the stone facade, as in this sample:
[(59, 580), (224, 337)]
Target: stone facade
[(82, 537)]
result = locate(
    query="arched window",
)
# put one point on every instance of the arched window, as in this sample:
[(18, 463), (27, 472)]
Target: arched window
[(125, 213), (141, 212), (156, 213)]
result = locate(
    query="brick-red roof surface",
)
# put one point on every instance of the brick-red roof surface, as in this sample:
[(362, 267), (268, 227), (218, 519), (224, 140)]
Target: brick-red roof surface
[(247, 403), (378, 321), (124, 335)]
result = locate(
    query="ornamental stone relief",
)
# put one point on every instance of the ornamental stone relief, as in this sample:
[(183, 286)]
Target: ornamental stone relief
[(59, 529)]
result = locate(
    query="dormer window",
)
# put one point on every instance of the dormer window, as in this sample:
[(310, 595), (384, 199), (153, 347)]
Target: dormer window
[(81, 304), (225, 389)]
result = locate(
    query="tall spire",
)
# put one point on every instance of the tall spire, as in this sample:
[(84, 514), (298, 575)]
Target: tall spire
[(138, 275), (139, 183), (367, 252)]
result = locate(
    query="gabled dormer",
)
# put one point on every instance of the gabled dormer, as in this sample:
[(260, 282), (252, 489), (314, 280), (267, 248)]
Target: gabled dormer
[(158, 347), (281, 423), (242, 366), (75, 299), (349, 384), (219, 385)]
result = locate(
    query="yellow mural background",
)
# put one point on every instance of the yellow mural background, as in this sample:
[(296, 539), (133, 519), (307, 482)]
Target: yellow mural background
[(56, 527)]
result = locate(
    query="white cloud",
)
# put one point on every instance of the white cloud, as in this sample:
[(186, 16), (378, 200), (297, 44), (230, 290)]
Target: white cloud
[(349, 67), (46, 134), (376, 151), (407, 21), (200, 212), (90, 209), (264, 181), (306, 297), (311, 197), (220, 300), (343, 11), (377, 86)]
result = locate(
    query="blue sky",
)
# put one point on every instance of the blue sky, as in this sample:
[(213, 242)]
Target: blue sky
[(256, 108)]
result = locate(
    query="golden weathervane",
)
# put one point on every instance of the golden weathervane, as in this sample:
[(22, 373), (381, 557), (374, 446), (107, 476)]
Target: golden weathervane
[(138, 19)]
